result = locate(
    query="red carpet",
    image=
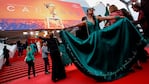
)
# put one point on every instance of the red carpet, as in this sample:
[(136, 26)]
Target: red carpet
[(74, 76), (18, 68)]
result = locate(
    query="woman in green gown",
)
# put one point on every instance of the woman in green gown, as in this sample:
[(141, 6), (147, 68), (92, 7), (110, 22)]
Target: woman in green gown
[(92, 22), (65, 58), (106, 54)]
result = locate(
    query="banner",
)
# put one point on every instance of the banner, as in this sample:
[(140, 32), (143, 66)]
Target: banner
[(38, 14)]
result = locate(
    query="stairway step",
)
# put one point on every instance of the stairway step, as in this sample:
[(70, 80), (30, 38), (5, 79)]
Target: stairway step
[(21, 73), (9, 78), (19, 69), (8, 70), (18, 72)]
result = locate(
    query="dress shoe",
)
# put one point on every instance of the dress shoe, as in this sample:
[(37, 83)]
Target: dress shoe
[(28, 77), (47, 72), (35, 75)]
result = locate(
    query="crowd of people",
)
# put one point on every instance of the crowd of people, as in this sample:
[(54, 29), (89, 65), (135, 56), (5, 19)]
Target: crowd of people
[(86, 48)]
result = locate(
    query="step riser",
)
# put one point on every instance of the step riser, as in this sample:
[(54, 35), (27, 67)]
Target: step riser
[(19, 69)]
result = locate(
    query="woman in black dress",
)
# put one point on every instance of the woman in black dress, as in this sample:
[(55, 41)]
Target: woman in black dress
[(58, 69)]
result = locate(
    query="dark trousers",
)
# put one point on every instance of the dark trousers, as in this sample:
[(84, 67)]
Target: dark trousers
[(20, 51), (31, 65), (58, 69), (46, 64), (7, 61)]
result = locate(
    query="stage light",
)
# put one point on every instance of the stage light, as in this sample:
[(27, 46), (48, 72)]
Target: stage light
[(31, 33), (25, 33), (53, 32), (57, 31), (36, 33), (45, 33)]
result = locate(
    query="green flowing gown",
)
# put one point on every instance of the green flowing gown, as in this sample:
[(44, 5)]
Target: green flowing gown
[(106, 54), (91, 27), (65, 58)]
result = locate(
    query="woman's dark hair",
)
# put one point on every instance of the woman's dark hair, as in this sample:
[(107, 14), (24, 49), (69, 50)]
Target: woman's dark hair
[(136, 5), (90, 9), (84, 18), (51, 35), (126, 14), (5, 47), (94, 17)]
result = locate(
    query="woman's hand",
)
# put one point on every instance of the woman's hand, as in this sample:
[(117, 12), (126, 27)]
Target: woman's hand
[(67, 28), (119, 17), (122, 16)]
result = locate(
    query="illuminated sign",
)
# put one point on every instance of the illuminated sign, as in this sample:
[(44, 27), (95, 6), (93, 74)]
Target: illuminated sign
[(38, 14)]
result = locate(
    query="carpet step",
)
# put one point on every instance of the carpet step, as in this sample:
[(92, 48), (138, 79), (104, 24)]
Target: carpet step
[(19, 72), (14, 68), (19, 69), (16, 76)]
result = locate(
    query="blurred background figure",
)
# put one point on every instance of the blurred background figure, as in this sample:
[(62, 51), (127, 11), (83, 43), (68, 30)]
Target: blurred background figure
[(30, 61), (6, 55), (142, 20), (45, 53)]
